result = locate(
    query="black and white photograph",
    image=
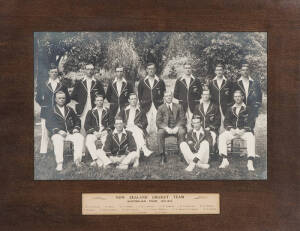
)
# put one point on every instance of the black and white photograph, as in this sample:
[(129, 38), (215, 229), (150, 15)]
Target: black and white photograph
[(150, 105)]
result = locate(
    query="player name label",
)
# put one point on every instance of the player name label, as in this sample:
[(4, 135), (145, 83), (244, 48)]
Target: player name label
[(150, 203)]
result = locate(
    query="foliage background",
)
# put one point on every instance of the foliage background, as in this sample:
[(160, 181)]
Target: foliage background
[(168, 50)]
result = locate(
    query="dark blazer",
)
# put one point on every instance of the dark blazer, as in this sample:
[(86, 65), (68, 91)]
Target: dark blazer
[(244, 120), (91, 123), (194, 142), (140, 119), (45, 97), (211, 119), (79, 93), (222, 96), (147, 95), (115, 100), (115, 147), (163, 115), (254, 98), (56, 121), (188, 95)]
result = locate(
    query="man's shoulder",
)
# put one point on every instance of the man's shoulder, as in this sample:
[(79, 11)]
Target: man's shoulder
[(129, 133)]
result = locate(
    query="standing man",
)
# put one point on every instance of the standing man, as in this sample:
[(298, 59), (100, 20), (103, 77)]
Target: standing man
[(98, 123), (64, 124), (135, 121), (151, 93), (250, 89), (84, 92), (45, 97), (221, 91), (187, 91), (209, 115), (195, 149), (170, 120), (239, 123), (118, 92), (119, 148)]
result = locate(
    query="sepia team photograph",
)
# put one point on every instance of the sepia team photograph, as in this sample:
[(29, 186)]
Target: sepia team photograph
[(150, 105)]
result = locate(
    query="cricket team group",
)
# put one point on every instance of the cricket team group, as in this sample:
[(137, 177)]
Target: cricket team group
[(203, 117)]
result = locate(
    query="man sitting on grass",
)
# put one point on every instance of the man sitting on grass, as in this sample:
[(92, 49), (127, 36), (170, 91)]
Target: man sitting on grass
[(119, 148), (195, 149)]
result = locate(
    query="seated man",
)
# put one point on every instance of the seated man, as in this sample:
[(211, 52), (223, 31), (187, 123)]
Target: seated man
[(239, 123), (170, 120), (97, 123), (119, 148), (195, 149), (209, 114), (136, 122), (64, 125)]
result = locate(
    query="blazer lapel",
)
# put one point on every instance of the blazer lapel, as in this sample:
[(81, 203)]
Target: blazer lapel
[(124, 84), (184, 82), (84, 84), (241, 85), (209, 108), (96, 115), (137, 114), (155, 83), (114, 86), (93, 84), (49, 86), (57, 111), (123, 138)]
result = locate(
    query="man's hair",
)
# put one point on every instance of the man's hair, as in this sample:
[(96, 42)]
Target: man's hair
[(118, 117), (196, 117), (205, 89), (245, 65), (168, 92), (97, 95), (239, 91), (219, 66), (60, 93), (131, 94), (150, 64)]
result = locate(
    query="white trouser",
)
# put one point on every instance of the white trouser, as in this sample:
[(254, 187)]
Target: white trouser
[(91, 146), (151, 117), (221, 129), (189, 116), (214, 137), (124, 159), (227, 136), (202, 154), (87, 107), (45, 138), (138, 136), (58, 143)]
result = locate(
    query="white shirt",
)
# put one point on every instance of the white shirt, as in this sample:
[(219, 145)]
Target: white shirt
[(246, 85), (151, 80), (238, 107), (131, 117), (119, 84), (220, 81), (119, 134), (62, 110), (170, 106), (53, 83), (200, 131), (205, 106), (100, 117), (187, 80)]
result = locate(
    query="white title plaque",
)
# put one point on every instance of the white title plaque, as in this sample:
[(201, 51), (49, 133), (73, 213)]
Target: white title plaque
[(150, 203)]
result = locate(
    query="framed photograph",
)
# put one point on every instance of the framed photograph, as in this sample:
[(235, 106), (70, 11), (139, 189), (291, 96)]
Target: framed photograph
[(183, 104)]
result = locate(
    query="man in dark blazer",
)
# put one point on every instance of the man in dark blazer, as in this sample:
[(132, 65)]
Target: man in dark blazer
[(118, 92), (119, 148), (170, 120), (209, 115), (251, 89), (45, 97), (221, 90), (151, 93), (98, 123), (195, 149), (135, 120), (239, 123), (187, 91), (64, 124), (84, 92)]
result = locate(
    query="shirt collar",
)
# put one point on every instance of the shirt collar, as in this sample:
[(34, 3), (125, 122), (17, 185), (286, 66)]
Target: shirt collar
[(123, 131), (136, 107), (201, 130), (155, 77), (223, 78), (123, 80), (85, 78), (53, 81), (250, 79), (184, 77), (242, 105), (169, 104)]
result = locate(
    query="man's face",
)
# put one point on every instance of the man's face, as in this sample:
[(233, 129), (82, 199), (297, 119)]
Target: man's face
[(60, 99), (53, 73), (206, 96), (244, 72), (133, 100), (219, 71), (188, 69), (168, 97), (119, 126), (238, 98), (196, 124), (151, 70), (89, 71), (99, 102), (119, 73)]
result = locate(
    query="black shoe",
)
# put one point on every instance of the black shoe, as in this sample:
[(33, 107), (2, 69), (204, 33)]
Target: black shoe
[(163, 159)]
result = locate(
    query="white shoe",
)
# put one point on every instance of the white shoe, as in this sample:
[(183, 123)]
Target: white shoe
[(250, 165), (59, 167), (146, 151), (224, 163), (204, 166), (136, 163), (122, 166), (78, 163), (190, 167)]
